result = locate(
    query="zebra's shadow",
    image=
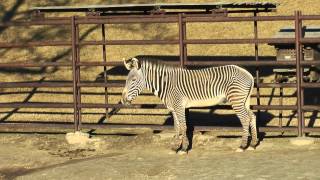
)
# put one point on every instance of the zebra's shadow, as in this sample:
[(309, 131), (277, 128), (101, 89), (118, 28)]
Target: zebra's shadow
[(196, 118)]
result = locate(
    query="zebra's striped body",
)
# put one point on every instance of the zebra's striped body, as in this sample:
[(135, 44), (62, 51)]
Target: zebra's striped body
[(180, 88)]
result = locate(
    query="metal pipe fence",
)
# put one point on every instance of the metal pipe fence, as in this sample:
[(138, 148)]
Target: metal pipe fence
[(181, 19)]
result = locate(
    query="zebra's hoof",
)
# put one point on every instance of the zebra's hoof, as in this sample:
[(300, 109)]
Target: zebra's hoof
[(250, 148), (175, 147), (176, 144), (182, 152), (240, 150)]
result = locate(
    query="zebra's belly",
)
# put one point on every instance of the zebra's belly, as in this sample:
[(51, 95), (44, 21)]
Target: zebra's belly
[(206, 102)]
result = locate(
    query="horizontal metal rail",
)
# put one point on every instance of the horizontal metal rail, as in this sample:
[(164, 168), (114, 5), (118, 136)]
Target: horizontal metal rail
[(129, 42), (188, 63), (34, 44), (37, 22), (119, 83), (149, 19), (240, 41), (27, 64), (148, 42), (242, 63), (143, 106)]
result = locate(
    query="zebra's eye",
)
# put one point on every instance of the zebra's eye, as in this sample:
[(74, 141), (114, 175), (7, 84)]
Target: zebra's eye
[(134, 79)]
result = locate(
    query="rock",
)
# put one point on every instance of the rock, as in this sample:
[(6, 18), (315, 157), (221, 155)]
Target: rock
[(82, 140), (77, 138), (302, 141)]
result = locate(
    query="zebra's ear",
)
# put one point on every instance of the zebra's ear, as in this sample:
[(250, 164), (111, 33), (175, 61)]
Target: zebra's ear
[(132, 63)]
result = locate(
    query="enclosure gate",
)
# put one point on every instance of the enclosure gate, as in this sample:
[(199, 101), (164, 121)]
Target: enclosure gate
[(181, 19)]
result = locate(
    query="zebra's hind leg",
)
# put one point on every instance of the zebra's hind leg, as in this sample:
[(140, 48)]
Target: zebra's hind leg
[(254, 132), (244, 117), (180, 140), (176, 142)]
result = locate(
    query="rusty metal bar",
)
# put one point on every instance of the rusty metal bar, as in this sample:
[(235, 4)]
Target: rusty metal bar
[(308, 63), (298, 70), (256, 54), (144, 106), (206, 18), (36, 105), (130, 42), (98, 63), (301, 56), (240, 41), (127, 20), (34, 44), (104, 57), (91, 84), (74, 75), (310, 85), (149, 42), (203, 63), (280, 103), (311, 108), (185, 52), (243, 63), (25, 64), (78, 77), (309, 17), (161, 106), (310, 40), (130, 16), (275, 85), (209, 63), (121, 84), (46, 21), (34, 84), (181, 39), (166, 18)]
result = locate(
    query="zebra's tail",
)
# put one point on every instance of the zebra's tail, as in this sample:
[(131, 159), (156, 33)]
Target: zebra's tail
[(247, 103), (250, 88)]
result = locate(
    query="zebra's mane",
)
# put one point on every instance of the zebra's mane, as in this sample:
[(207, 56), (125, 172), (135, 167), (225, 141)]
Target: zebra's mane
[(154, 62)]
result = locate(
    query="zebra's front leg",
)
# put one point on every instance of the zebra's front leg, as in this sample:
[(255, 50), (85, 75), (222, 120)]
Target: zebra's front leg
[(180, 140)]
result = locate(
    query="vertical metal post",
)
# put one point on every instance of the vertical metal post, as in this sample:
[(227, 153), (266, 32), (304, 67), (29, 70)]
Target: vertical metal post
[(298, 70), (74, 75), (181, 38), (281, 103), (256, 54), (104, 56), (183, 51), (301, 76), (78, 76)]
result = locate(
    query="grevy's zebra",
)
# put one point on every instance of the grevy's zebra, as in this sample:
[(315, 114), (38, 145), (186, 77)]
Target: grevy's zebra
[(180, 88)]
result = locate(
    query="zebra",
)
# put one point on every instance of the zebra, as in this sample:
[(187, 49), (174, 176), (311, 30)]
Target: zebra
[(180, 88)]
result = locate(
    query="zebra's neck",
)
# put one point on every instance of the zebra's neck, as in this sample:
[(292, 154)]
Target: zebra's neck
[(155, 77)]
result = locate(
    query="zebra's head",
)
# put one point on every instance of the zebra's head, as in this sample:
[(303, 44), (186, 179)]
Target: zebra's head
[(135, 82)]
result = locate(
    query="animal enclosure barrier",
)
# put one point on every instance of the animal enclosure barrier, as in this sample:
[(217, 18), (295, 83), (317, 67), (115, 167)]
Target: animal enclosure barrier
[(180, 14)]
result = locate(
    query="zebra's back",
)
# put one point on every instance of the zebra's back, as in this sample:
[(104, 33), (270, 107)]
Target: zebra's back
[(210, 86)]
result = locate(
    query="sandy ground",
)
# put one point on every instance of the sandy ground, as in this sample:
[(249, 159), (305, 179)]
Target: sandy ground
[(147, 156)]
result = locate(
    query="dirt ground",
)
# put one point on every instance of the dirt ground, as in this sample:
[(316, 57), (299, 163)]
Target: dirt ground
[(146, 155)]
